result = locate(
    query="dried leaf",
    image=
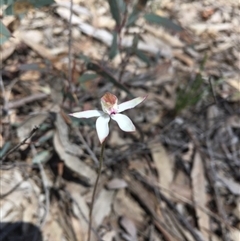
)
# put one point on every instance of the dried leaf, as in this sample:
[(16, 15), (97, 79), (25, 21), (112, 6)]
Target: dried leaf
[(199, 194), (233, 186), (28, 212), (164, 166), (184, 58), (181, 191), (105, 36), (80, 210), (124, 205), (21, 7), (56, 87), (234, 121), (102, 206), (234, 83), (129, 226), (39, 48), (7, 51), (73, 162), (116, 183), (213, 113), (53, 231), (148, 201), (237, 208), (17, 8), (25, 129), (62, 129), (42, 157), (163, 35), (109, 236), (235, 234), (199, 28)]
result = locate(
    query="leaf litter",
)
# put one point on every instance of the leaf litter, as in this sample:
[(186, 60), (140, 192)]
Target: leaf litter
[(177, 177)]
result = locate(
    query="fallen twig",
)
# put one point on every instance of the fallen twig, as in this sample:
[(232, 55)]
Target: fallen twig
[(90, 152), (179, 217), (26, 100), (45, 187), (185, 200), (70, 46), (146, 200), (20, 144), (6, 107), (210, 173), (13, 189)]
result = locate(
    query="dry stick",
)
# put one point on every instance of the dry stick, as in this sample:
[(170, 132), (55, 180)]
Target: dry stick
[(80, 210), (20, 144), (213, 92), (25, 100), (94, 191), (234, 167), (123, 65), (70, 45), (5, 107), (3, 93), (90, 152), (47, 194), (124, 60), (45, 187), (13, 189), (211, 178), (216, 192), (146, 200), (187, 201), (171, 206)]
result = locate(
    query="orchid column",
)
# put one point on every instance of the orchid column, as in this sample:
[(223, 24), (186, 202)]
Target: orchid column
[(110, 110)]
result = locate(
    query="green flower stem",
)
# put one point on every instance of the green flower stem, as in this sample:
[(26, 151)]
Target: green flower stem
[(94, 190)]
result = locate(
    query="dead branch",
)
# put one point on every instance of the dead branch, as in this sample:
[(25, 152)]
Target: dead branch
[(26, 100), (179, 217), (34, 130), (211, 178)]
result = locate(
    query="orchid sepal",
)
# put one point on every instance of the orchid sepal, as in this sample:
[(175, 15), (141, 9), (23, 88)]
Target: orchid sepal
[(130, 104), (102, 127), (87, 114)]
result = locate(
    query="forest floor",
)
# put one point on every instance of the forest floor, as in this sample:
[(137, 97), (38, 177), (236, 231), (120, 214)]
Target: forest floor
[(177, 178)]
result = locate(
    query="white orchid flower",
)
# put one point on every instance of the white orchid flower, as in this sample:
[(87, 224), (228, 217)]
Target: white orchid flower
[(111, 110)]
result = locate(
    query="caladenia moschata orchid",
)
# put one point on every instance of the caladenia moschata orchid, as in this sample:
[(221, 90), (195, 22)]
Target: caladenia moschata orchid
[(110, 110)]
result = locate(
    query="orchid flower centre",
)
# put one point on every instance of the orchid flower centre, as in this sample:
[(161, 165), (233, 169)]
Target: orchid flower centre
[(111, 110), (109, 104)]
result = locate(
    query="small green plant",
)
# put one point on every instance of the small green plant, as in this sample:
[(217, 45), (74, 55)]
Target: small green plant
[(193, 93)]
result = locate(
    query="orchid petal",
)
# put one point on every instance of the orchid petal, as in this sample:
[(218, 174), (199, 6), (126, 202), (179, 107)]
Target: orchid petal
[(124, 122), (102, 127), (87, 114), (130, 104)]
